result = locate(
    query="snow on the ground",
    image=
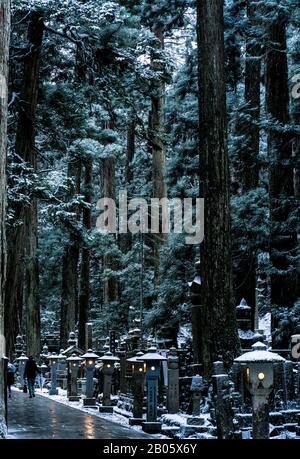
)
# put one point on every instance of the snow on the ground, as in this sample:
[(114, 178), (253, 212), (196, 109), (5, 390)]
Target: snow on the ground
[(180, 419)]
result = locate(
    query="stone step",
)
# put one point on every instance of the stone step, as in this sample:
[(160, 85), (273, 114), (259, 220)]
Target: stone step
[(171, 431), (290, 426), (187, 431)]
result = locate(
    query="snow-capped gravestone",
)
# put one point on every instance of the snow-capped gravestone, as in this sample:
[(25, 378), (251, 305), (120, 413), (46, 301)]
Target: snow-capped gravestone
[(153, 361), (173, 382), (73, 365), (90, 359), (260, 383), (138, 381), (197, 387), (21, 361), (289, 380), (108, 361), (19, 346), (243, 315), (45, 353), (53, 361)]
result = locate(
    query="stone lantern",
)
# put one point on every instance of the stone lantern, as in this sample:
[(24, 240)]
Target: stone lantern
[(21, 369), (74, 361), (53, 362), (44, 370), (152, 365), (259, 367), (19, 346), (72, 341), (90, 362), (108, 361), (138, 378), (135, 336), (196, 389)]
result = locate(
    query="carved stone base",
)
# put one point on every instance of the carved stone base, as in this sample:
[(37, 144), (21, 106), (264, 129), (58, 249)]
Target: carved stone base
[(90, 402), (74, 398), (106, 409), (136, 421)]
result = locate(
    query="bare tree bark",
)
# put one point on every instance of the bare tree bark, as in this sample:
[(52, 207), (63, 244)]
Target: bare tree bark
[(157, 144), (23, 239), (108, 181), (84, 294), (4, 60), (219, 328), (248, 176), (69, 294)]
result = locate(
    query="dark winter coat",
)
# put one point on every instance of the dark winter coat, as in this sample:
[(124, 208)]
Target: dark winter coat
[(10, 378), (31, 369)]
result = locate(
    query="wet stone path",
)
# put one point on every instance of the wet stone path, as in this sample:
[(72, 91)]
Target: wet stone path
[(42, 418)]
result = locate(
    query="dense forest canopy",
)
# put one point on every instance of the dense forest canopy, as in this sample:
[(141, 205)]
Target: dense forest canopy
[(118, 95)]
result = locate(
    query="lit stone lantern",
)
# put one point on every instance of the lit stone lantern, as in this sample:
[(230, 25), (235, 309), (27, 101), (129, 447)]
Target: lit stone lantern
[(138, 379), (53, 362), (259, 367), (108, 361), (21, 369), (74, 362), (152, 364), (90, 362)]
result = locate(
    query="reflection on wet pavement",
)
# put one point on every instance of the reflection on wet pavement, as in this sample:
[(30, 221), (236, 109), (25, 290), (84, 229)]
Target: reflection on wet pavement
[(41, 418)]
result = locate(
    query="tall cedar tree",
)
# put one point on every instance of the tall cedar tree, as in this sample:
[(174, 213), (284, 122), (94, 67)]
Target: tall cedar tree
[(219, 328), (69, 293), (108, 186), (23, 239), (4, 59), (283, 239), (157, 142), (84, 292), (248, 170)]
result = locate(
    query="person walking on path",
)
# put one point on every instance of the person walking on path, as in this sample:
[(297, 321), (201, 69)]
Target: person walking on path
[(31, 372), (11, 369)]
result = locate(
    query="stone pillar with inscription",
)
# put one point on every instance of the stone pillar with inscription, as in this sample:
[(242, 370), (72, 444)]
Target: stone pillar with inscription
[(152, 360), (123, 366), (108, 361), (138, 377), (173, 382), (88, 336)]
